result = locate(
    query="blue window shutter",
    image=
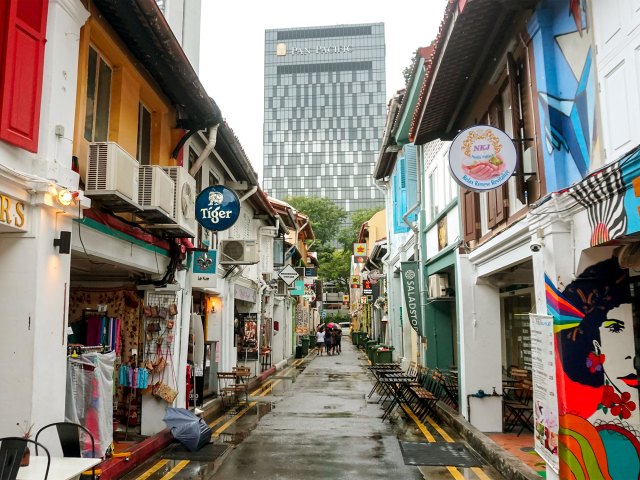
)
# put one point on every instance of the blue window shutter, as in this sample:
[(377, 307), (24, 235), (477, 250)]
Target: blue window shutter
[(400, 195), (411, 179)]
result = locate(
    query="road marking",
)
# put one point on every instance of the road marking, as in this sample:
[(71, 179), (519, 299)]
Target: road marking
[(153, 470), (455, 473), (176, 469)]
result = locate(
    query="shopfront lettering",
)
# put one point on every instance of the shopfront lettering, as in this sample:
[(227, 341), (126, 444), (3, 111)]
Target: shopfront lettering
[(320, 50), (215, 214), (11, 212), (412, 303)]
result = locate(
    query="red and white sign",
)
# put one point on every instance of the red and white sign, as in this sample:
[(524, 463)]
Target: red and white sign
[(482, 158)]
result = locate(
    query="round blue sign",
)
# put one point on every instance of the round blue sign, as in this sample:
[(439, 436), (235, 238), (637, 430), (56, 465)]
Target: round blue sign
[(217, 208)]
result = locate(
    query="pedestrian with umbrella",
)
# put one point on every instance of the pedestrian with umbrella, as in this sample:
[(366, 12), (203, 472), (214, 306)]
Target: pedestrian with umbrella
[(328, 338), (337, 340)]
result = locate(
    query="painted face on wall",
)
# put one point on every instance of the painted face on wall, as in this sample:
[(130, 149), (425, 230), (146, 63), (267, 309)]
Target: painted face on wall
[(617, 344)]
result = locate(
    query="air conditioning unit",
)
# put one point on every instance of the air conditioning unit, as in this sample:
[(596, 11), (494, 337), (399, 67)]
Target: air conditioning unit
[(184, 205), (155, 194), (238, 252), (112, 177), (438, 285)]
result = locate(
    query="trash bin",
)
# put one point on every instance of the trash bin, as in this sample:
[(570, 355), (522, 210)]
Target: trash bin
[(354, 337), (362, 338), (370, 346), (383, 354), (312, 341), (298, 351), (305, 346)]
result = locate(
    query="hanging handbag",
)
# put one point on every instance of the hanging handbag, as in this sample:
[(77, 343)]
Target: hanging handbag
[(164, 392), (162, 312), (170, 324), (173, 309)]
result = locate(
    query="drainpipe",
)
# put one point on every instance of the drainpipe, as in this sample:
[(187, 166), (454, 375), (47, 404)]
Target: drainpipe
[(253, 190), (263, 287), (213, 136)]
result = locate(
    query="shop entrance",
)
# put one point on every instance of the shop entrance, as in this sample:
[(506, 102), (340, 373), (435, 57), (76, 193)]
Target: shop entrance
[(516, 305)]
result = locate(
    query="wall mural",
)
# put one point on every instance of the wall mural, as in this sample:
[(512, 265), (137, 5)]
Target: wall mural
[(567, 96), (597, 381)]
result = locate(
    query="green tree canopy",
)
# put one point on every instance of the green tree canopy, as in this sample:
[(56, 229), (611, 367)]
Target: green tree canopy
[(324, 215)]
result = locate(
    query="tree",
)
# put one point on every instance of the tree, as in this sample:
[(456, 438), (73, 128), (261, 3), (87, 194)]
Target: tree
[(349, 235), (408, 71), (335, 268), (324, 215)]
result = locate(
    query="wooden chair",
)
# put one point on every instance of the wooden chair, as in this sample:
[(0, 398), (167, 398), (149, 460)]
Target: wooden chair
[(518, 409)]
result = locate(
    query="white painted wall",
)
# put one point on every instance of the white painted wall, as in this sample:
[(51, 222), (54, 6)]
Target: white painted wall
[(480, 360), (34, 278), (184, 19)]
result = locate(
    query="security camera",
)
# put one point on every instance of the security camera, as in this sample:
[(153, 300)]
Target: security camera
[(536, 244)]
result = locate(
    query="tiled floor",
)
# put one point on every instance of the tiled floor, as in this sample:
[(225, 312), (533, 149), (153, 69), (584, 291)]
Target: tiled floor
[(521, 447)]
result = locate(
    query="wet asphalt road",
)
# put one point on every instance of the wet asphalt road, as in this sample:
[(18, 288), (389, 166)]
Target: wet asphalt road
[(311, 421)]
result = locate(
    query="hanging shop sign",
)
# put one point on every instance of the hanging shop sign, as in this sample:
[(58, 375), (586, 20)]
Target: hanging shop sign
[(366, 287), (355, 281), (217, 208), (411, 287), (203, 270), (289, 275), (345, 299), (12, 215), (482, 158), (359, 249)]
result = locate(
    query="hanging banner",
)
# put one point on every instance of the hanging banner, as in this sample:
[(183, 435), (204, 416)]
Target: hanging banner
[(359, 249), (411, 288), (545, 396)]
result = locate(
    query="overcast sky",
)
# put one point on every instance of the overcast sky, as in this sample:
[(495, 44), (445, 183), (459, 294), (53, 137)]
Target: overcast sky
[(232, 48)]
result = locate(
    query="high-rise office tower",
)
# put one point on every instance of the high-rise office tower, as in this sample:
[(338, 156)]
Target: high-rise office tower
[(324, 112)]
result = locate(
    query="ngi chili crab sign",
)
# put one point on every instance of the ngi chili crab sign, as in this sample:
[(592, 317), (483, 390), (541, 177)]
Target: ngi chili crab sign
[(482, 158)]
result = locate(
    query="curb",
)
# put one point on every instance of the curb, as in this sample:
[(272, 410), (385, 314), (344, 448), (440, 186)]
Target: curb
[(504, 462)]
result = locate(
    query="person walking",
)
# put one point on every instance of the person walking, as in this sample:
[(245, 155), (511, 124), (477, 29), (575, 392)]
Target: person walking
[(337, 340), (319, 341), (328, 340)]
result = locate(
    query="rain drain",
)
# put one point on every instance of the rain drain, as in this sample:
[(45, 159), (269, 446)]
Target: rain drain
[(441, 454), (209, 453)]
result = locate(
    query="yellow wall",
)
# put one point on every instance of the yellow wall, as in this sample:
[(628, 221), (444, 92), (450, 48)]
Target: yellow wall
[(129, 86), (377, 229)]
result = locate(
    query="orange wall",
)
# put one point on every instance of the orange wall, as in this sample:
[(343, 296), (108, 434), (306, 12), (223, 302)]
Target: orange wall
[(129, 86)]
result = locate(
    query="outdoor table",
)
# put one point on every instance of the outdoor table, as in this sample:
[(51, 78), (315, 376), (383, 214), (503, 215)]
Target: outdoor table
[(62, 468), (379, 369), (392, 385)]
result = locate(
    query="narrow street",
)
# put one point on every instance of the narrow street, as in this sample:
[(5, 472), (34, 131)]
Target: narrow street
[(311, 420)]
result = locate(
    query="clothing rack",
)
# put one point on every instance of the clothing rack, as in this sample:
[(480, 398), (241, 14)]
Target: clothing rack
[(76, 350)]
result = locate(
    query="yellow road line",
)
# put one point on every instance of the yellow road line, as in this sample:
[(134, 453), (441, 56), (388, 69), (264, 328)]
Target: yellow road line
[(480, 473), (421, 426), (153, 470), (439, 429), (176, 469), (455, 473)]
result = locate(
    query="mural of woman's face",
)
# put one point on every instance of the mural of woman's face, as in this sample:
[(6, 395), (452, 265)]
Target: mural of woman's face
[(617, 344)]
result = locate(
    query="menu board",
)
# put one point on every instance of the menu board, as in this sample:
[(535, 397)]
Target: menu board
[(545, 398)]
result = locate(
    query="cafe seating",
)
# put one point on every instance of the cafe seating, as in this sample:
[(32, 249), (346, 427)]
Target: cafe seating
[(70, 441), (11, 451), (517, 405)]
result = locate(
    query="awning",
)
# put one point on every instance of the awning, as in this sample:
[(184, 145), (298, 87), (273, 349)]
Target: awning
[(471, 34)]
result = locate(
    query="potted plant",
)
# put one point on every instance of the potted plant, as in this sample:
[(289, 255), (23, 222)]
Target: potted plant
[(26, 433)]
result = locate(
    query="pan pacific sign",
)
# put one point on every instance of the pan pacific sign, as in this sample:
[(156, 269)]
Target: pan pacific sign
[(411, 288), (282, 50)]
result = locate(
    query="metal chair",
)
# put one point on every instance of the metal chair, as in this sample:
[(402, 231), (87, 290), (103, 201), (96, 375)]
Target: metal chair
[(11, 451), (69, 437)]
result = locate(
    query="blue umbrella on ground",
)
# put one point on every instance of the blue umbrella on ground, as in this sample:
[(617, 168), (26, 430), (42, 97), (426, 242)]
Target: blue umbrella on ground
[(186, 427)]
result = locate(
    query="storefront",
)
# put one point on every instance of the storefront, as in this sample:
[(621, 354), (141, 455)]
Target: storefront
[(587, 285)]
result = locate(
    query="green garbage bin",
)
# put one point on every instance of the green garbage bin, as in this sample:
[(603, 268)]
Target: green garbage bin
[(383, 354), (362, 339), (305, 346), (369, 347), (312, 341)]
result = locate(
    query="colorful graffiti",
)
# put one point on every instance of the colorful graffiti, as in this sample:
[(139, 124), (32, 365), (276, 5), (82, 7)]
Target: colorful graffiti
[(566, 82), (597, 381)]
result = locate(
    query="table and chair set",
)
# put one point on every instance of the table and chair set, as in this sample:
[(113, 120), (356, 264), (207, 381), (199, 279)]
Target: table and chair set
[(418, 388), (72, 439), (232, 385), (517, 400)]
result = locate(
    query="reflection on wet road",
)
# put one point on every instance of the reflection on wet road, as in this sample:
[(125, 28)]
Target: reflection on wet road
[(311, 420)]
